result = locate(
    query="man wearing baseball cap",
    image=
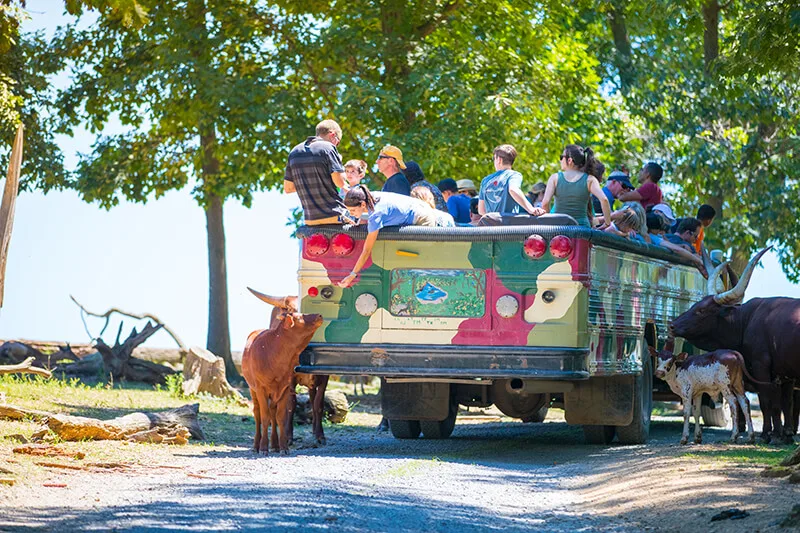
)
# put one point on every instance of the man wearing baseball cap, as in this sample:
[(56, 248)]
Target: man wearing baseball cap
[(390, 163), (618, 183)]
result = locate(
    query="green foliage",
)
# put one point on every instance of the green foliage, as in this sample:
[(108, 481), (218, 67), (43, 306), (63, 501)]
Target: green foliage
[(759, 455), (174, 385)]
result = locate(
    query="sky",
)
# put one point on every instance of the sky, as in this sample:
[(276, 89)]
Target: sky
[(152, 258)]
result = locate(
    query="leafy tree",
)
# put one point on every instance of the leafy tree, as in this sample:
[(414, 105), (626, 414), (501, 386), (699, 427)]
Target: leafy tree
[(447, 81), (206, 100)]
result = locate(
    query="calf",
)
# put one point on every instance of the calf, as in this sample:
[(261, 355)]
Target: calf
[(315, 384), (717, 372), (268, 362)]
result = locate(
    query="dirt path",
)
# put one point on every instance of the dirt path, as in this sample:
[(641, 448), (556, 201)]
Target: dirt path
[(488, 476)]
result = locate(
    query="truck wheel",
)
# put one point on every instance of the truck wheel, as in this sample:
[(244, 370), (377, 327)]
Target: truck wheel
[(540, 415), (442, 429), (714, 412), (639, 429), (599, 434), (404, 429)]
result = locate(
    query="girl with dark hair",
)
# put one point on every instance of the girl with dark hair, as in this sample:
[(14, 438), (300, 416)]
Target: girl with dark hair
[(415, 177), (571, 187), (387, 209)]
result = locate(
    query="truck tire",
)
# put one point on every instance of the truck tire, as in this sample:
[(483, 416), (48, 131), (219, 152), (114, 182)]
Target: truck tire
[(539, 415), (599, 434), (443, 428), (715, 413), (638, 431), (404, 429)]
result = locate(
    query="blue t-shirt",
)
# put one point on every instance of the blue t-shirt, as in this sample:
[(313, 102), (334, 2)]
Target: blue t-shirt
[(458, 206), (494, 192), (397, 184), (393, 210)]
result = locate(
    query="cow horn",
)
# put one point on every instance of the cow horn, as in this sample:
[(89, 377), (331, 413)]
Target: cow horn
[(713, 276), (707, 263), (669, 346), (736, 294), (271, 300)]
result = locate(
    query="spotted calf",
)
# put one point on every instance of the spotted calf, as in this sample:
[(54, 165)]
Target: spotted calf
[(713, 373)]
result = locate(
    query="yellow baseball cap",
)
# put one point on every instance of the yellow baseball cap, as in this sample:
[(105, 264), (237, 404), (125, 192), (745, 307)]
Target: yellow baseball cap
[(395, 153)]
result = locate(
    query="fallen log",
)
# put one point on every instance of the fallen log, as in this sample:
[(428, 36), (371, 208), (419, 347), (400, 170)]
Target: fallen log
[(173, 426), (46, 450), (205, 372), (121, 365), (25, 367), (793, 459)]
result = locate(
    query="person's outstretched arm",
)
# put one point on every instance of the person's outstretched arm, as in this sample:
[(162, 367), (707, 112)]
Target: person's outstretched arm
[(366, 253), (549, 192), (519, 197), (594, 188)]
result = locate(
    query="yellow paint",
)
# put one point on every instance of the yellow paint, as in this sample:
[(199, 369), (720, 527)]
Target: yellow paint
[(555, 278), (406, 254)]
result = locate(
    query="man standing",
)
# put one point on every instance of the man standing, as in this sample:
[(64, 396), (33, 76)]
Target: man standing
[(649, 193), (617, 184), (501, 192), (705, 215), (314, 171), (390, 163)]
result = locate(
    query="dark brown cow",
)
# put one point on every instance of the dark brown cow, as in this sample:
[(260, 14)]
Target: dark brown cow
[(315, 384), (766, 331), (717, 372)]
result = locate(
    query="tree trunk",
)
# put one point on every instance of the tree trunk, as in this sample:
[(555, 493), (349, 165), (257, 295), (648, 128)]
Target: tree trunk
[(219, 337), (205, 372), (711, 9), (622, 44)]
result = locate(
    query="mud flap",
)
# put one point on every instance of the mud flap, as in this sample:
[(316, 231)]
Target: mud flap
[(601, 401), (415, 401)]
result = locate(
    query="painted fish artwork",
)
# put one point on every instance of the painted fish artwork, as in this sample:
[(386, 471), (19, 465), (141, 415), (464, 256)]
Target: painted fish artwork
[(431, 294)]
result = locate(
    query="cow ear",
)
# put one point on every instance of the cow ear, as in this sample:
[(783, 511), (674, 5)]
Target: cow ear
[(288, 320), (681, 356)]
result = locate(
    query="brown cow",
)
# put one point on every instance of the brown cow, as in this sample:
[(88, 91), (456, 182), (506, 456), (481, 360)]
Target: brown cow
[(712, 373), (315, 384)]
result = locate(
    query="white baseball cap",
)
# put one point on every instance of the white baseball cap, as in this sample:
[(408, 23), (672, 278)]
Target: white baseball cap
[(666, 211)]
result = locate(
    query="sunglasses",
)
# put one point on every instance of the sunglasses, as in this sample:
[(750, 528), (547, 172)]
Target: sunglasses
[(385, 157)]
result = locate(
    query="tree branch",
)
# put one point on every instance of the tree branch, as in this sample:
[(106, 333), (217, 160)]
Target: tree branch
[(27, 367), (140, 316), (432, 23)]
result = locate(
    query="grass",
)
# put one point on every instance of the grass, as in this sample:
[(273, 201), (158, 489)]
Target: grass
[(752, 455)]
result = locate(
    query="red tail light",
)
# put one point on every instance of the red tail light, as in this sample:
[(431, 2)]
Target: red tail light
[(313, 291), (561, 246), (342, 244), (535, 246), (317, 244)]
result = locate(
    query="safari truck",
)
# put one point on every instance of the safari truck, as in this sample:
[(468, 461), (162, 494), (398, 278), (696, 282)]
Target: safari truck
[(515, 316)]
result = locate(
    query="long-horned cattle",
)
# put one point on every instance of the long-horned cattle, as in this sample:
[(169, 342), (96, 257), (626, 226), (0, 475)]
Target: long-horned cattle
[(766, 331), (717, 372), (268, 363)]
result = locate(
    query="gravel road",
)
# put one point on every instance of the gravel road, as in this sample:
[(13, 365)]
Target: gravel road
[(487, 476)]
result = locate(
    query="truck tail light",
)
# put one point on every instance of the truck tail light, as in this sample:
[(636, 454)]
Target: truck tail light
[(561, 246), (317, 244), (535, 246), (342, 244)]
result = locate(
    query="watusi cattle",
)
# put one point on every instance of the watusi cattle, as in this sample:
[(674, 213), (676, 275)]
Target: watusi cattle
[(717, 372), (315, 384), (268, 363), (766, 331)]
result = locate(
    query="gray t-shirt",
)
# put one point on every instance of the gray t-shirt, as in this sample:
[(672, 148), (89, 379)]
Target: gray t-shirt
[(494, 192)]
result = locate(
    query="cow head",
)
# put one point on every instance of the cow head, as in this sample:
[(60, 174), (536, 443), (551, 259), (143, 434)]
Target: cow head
[(665, 360), (703, 324), (299, 326)]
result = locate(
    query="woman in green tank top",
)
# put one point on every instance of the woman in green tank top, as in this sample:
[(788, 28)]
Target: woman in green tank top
[(571, 187)]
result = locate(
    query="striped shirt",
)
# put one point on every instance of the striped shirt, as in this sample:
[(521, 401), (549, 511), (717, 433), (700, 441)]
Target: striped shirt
[(310, 166)]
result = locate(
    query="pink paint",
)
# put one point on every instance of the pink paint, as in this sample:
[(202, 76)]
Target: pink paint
[(506, 331), (337, 267)]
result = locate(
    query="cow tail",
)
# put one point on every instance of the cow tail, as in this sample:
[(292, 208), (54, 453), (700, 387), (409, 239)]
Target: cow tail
[(747, 374)]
